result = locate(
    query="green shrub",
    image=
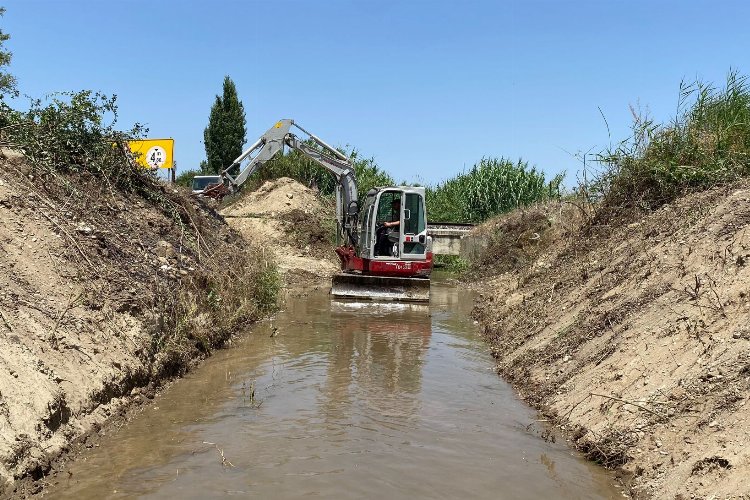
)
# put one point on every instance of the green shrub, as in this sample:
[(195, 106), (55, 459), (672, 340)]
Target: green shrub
[(451, 263), (185, 178), (71, 134)]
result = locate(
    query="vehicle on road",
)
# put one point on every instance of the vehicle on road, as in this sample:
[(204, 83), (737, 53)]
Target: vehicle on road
[(201, 182)]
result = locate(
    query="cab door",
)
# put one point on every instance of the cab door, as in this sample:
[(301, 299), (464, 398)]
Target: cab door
[(413, 244)]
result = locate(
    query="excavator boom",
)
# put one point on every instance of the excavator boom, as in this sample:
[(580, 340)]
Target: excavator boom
[(387, 277)]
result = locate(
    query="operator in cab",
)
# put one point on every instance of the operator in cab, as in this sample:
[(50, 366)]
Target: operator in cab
[(383, 245)]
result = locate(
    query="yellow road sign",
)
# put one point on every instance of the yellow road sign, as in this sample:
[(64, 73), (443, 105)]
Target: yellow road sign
[(153, 153)]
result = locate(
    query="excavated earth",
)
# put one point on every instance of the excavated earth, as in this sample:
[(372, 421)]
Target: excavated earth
[(294, 224), (632, 337), (89, 276)]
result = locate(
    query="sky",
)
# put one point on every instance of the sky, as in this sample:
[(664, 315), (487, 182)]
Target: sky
[(427, 88)]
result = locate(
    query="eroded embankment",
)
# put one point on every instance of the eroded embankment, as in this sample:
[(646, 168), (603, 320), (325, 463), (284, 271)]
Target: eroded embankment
[(105, 292), (634, 338)]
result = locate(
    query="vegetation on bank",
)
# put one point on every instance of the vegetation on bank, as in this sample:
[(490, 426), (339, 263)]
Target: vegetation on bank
[(705, 144), (79, 165), (450, 263), (491, 187)]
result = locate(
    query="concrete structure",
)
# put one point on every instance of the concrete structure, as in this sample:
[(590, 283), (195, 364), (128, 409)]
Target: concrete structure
[(446, 237)]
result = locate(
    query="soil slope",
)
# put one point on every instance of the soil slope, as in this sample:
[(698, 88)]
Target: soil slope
[(103, 294), (635, 338), (293, 223)]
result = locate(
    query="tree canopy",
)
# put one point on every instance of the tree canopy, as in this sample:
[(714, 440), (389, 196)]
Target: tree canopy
[(226, 132)]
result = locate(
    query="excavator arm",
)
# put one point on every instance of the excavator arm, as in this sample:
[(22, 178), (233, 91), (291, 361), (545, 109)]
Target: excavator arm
[(272, 143)]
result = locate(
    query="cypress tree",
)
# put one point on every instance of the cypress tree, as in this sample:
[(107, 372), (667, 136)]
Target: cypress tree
[(226, 133)]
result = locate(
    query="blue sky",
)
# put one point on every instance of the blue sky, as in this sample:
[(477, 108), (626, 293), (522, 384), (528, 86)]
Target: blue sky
[(426, 87)]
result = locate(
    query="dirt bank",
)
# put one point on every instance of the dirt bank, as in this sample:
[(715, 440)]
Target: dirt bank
[(633, 338), (294, 224), (104, 293)]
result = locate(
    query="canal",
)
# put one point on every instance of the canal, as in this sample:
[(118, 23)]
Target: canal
[(340, 400)]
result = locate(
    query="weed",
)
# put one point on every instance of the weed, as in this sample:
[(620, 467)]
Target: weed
[(451, 263)]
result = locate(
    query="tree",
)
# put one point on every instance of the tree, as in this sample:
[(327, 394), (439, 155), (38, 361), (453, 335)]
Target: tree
[(225, 134), (7, 82)]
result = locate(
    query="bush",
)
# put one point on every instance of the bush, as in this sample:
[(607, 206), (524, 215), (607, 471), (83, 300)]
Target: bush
[(70, 135), (493, 186), (707, 143)]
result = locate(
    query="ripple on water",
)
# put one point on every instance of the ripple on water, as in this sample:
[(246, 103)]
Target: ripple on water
[(350, 401)]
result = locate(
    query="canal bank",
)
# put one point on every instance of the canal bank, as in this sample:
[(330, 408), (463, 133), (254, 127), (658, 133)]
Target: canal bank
[(340, 400), (631, 336)]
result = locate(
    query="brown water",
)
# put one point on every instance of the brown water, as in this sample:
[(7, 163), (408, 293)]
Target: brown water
[(351, 401)]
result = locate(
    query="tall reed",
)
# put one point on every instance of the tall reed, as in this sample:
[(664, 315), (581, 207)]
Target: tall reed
[(492, 186), (706, 143)]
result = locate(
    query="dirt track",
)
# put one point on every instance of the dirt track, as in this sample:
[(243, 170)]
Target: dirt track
[(634, 339)]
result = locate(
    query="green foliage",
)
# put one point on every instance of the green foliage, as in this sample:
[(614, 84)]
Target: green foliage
[(491, 187), (7, 81), (186, 177), (451, 263), (369, 175), (708, 142), (225, 134), (70, 134), (266, 287)]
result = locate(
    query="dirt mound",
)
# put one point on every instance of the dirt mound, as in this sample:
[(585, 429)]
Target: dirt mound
[(635, 341), (294, 223), (276, 197), (519, 238), (103, 294)]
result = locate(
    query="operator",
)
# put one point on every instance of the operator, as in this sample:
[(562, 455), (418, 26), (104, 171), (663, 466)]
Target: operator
[(395, 212), (383, 244)]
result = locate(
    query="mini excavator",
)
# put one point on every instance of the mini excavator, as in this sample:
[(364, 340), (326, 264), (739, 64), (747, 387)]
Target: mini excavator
[(382, 241)]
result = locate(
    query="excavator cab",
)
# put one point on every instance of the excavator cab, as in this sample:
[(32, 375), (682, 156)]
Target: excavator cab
[(392, 258), (394, 224)]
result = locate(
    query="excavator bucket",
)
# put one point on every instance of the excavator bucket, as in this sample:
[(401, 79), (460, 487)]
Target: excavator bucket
[(386, 288)]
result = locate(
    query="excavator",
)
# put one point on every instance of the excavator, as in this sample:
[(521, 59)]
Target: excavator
[(382, 241)]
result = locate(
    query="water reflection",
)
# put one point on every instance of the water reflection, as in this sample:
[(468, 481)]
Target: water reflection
[(376, 362), (351, 401)]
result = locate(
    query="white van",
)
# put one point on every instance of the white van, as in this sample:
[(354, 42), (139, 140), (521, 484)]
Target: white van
[(201, 182)]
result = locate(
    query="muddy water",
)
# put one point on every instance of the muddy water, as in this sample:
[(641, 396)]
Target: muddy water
[(349, 402)]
